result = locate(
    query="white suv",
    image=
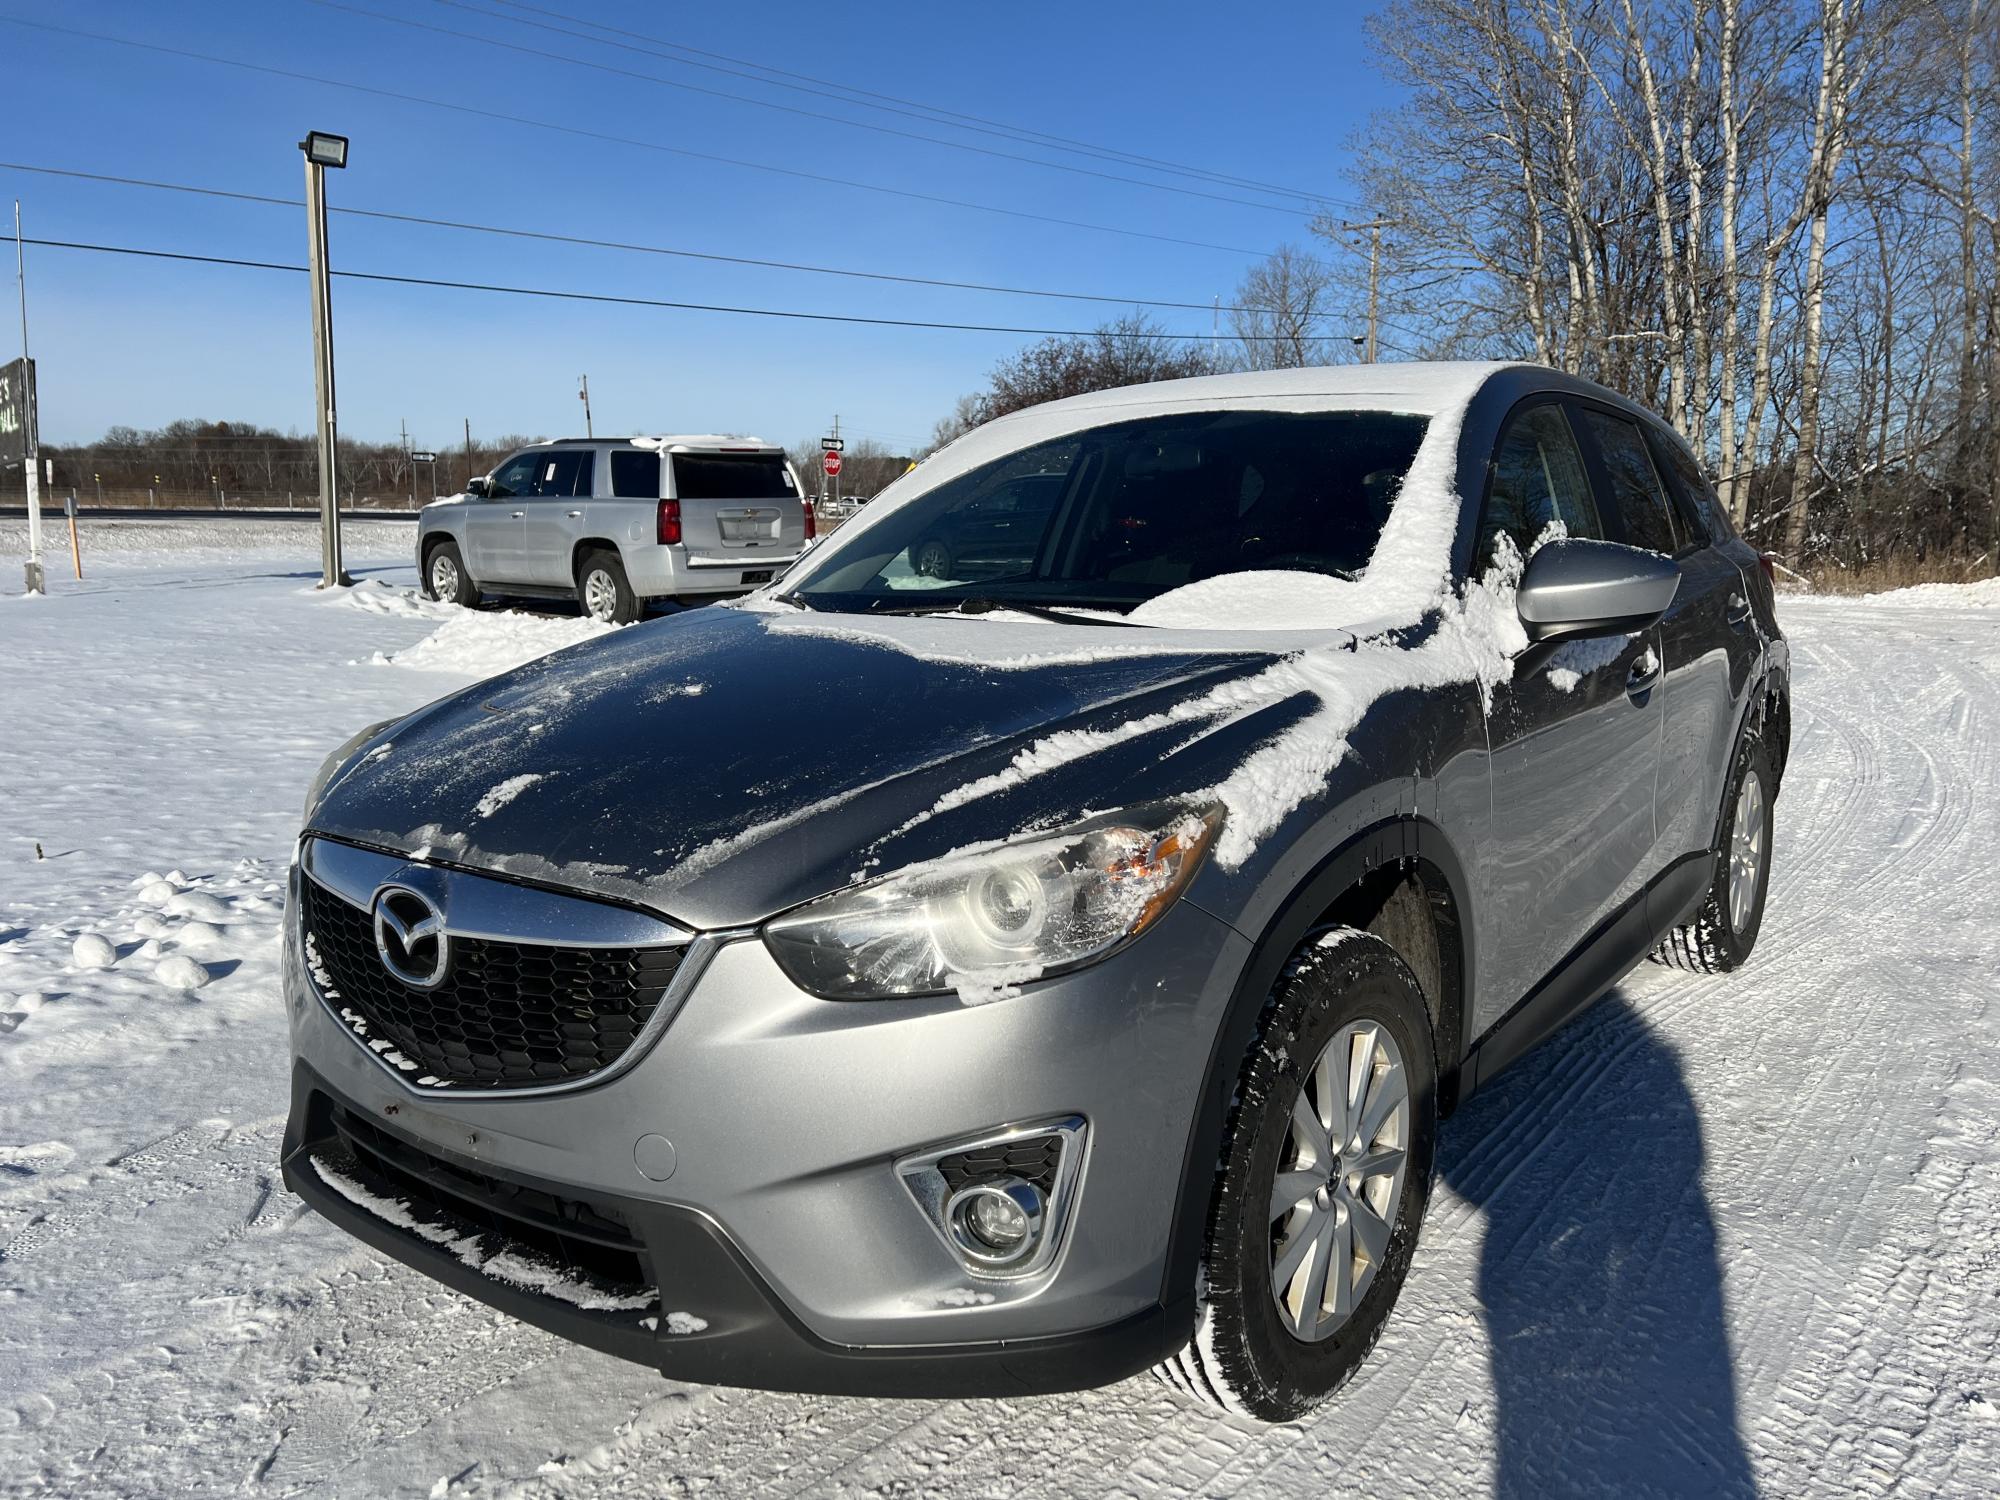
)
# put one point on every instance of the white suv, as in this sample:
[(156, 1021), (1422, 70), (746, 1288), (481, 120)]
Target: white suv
[(614, 522)]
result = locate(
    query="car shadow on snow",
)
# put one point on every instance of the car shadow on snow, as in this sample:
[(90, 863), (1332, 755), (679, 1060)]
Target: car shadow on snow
[(1599, 1277)]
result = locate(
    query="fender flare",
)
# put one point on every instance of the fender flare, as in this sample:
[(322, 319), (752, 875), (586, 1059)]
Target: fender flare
[(1390, 842)]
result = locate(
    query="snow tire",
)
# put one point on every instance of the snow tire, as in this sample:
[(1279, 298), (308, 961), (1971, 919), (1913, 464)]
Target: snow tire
[(1711, 943), (1242, 1358)]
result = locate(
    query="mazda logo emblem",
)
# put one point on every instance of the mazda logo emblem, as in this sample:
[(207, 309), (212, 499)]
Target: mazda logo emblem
[(410, 937)]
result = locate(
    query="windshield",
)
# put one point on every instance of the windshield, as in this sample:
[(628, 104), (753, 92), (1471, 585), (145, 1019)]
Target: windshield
[(1118, 515)]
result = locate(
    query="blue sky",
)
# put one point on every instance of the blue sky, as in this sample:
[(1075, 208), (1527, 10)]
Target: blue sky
[(1273, 93)]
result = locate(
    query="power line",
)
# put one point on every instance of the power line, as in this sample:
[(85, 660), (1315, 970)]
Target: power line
[(542, 54), (931, 113), (615, 300), (618, 140), (535, 234), (572, 239)]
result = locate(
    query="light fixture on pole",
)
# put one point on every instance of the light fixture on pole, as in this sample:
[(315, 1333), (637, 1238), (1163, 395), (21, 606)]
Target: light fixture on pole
[(322, 151)]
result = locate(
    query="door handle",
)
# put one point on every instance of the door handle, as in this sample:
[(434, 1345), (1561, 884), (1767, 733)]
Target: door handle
[(574, 514), (516, 515), (1738, 611)]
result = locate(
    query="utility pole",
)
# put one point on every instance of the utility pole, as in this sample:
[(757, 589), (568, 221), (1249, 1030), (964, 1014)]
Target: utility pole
[(323, 151), (468, 453), (583, 395), (409, 463), (30, 476), (1374, 283), (836, 478), (1374, 228)]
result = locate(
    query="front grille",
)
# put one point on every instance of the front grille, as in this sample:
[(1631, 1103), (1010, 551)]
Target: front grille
[(592, 1243), (507, 1015), (1032, 1159)]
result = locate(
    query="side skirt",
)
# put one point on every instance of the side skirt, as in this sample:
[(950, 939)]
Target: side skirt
[(1611, 951)]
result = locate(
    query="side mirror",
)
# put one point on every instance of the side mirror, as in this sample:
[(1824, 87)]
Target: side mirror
[(479, 488), (1579, 587)]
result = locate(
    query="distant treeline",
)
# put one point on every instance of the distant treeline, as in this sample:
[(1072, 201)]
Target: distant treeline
[(240, 458)]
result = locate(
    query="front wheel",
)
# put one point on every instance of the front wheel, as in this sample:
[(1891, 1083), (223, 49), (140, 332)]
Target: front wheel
[(1326, 1170), (445, 578), (1725, 926), (604, 592)]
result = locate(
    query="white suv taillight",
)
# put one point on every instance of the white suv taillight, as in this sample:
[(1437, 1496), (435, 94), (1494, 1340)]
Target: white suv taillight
[(670, 522), (812, 522)]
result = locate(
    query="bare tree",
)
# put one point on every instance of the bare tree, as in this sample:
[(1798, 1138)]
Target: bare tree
[(1284, 311)]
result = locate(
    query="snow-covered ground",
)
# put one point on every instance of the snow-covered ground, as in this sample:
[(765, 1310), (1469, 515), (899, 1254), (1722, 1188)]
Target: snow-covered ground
[(1719, 1233)]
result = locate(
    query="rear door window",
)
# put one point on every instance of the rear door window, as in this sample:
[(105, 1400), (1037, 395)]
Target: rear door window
[(635, 475), (1701, 511), (1637, 496), (732, 476), (1538, 478), (563, 473)]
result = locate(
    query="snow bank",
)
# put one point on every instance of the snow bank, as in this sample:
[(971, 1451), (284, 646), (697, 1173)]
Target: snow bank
[(482, 643), (1985, 594)]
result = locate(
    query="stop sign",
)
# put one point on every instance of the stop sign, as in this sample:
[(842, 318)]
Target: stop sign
[(832, 464)]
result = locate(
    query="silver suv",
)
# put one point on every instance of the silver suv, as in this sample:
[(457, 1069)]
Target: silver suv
[(1009, 970), (615, 522)]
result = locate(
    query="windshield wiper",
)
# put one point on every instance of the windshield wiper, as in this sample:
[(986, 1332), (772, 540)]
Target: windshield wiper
[(1039, 611), (985, 606)]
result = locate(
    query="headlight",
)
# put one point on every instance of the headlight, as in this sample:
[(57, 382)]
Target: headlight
[(985, 923), (333, 763)]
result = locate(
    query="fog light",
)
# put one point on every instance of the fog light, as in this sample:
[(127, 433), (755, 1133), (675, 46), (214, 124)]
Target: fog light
[(996, 1222)]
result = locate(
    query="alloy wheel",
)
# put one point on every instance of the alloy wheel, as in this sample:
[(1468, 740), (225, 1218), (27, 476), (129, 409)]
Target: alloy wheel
[(444, 577), (600, 595), (1339, 1184), (1746, 850)]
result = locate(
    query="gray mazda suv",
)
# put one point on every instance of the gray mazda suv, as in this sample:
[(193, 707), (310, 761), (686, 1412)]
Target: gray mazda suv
[(922, 982)]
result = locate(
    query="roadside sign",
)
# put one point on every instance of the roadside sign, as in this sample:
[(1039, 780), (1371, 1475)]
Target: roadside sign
[(17, 405), (831, 463), (423, 458), (833, 444)]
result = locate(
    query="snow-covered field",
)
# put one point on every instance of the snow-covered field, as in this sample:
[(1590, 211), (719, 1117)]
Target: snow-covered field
[(1718, 1234)]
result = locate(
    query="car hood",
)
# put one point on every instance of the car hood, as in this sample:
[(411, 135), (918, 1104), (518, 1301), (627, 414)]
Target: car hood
[(726, 763)]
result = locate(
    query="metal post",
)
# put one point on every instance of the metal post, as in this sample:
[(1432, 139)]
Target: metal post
[(583, 395), (468, 455), (30, 476), (332, 574)]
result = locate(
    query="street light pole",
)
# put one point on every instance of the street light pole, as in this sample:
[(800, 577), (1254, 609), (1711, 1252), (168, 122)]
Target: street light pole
[(583, 395), (323, 151)]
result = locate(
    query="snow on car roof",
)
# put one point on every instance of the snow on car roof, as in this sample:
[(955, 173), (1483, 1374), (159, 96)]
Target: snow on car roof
[(683, 442)]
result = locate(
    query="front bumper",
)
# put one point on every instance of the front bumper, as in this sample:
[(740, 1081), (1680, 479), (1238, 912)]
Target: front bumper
[(784, 1224), (748, 1337)]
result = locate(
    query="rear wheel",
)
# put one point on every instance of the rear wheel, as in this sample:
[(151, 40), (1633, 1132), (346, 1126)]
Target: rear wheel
[(1325, 1174), (445, 578), (932, 559), (602, 589), (1725, 927)]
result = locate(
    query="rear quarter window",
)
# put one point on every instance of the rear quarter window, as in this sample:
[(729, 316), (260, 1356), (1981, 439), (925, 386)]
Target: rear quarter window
[(635, 476), (732, 476)]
